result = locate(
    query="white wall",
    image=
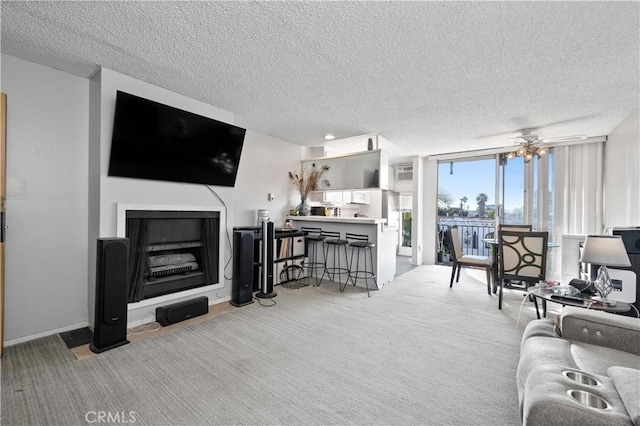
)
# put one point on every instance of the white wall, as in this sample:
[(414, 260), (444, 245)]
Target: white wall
[(46, 247), (622, 174), (430, 210), (263, 168), (60, 198)]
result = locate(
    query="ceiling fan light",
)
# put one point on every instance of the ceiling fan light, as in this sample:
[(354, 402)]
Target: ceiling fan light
[(511, 155), (541, 152), (520, 151), (528, 156)]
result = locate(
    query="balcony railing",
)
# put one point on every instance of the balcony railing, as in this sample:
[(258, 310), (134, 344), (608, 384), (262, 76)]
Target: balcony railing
[(471, 234)]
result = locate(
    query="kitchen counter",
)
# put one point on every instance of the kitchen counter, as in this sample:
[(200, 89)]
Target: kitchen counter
[(362, 220), (385, 240)]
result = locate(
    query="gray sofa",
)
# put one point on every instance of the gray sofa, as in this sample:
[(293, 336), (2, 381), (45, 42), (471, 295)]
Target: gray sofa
[(583, 369)]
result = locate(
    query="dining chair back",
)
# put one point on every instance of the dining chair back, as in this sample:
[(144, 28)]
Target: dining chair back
[(516, 228), (460, 259), (522, 257)]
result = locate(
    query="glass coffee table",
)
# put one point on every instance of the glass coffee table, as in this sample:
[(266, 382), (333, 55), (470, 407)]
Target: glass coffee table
[(548, 295)]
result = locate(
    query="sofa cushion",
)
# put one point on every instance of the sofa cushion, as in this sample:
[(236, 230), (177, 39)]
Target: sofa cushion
[(542, 327), (627, 383), (541, 350), (597, 359)]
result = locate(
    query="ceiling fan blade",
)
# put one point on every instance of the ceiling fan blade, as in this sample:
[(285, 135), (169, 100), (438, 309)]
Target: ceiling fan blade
[(518, 140), (564, 139)]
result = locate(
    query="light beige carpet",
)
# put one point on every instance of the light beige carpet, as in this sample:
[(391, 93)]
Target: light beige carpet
[(416, 352)]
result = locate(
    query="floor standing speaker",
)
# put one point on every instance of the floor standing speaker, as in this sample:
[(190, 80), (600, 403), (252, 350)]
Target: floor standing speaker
[(266, 286), (242, 284), (110, 321)]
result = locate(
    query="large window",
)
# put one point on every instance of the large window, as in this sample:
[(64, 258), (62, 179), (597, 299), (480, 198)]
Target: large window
[(478, 193)]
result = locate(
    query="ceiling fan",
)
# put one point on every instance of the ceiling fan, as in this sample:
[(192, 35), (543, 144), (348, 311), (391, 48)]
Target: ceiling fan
[(531, 144)]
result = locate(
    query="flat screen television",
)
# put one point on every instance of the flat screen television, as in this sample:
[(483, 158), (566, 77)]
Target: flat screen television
[(155, 141)]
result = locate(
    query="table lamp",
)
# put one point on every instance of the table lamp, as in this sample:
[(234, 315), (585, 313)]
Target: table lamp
[(604, 250)]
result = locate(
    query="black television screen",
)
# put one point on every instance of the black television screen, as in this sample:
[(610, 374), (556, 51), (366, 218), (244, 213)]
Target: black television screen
[(155, 141)]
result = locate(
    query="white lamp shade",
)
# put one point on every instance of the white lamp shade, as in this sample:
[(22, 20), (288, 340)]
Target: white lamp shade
[(607, 250)]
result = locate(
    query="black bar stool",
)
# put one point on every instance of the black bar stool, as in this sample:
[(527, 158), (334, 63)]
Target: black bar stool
[(360, 244), (333, 241), (312, 245)]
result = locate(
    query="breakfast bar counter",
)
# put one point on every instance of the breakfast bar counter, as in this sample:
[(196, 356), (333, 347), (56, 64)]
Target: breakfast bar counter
[(385, 238)]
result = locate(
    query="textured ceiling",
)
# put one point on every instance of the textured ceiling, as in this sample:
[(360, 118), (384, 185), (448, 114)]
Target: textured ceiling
[(431, 77)]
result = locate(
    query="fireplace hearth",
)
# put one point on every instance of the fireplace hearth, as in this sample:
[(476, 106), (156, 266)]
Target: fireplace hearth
[(171, 251)]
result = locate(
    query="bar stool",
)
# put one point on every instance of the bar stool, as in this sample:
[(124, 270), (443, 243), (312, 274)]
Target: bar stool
[(333, 241), (312, 240), (360, 244)]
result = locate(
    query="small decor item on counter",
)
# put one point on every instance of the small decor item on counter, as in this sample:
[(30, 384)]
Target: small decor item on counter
[(303, 209), (307, 184), (370, 144)]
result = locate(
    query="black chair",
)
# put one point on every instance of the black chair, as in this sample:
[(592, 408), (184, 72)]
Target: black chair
[(360, 245), (340, 262), (496, 262), (460, 259), (312, 245), (523, 258)]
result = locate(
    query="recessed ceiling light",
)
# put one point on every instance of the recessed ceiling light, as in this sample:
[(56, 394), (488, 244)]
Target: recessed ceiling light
[(329, 137)]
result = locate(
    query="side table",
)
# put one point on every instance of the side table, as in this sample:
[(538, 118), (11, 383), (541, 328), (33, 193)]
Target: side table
[(545, 295)]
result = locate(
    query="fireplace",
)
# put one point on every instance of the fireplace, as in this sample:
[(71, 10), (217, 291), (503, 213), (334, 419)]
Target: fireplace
[(171, 251)]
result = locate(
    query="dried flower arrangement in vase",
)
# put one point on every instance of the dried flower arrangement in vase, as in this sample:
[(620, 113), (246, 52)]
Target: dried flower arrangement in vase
[(307, 184)]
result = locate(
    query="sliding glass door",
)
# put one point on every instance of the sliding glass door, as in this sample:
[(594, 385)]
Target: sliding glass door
[(467, 199)]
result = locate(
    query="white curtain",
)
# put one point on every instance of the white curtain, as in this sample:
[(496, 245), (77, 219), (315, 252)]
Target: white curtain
[(578, 189)]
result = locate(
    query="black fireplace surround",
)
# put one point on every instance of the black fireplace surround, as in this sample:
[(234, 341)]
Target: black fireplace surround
[(171, 251)]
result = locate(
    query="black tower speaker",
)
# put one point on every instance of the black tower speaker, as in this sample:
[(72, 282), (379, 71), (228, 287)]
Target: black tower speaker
[(242, 285), (266, 284), (110, 321)]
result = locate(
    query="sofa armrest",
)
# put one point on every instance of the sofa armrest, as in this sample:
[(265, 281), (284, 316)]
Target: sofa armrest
[(601, 328)]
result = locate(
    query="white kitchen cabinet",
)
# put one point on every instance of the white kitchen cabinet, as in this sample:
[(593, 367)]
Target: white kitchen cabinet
[(360, 197), (337, 197)]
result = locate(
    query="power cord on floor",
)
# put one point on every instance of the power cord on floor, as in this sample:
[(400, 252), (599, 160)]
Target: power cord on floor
[(144, 328), (524, 299), (259, 300), (149, 326)]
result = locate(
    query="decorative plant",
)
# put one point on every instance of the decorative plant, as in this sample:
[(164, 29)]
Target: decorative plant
[(311, 182)]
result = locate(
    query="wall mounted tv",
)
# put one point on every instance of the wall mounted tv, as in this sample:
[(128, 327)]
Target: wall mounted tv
[(155, 141)]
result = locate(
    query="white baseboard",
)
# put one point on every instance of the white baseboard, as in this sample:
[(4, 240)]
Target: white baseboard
[(46, 333)]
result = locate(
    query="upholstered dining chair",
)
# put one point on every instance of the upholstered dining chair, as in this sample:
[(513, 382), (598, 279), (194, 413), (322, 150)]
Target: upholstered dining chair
[(460, 259), (496, 254), (523, 258)]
